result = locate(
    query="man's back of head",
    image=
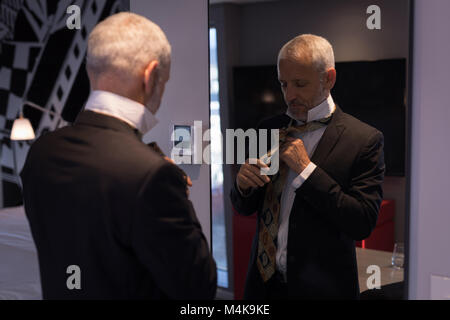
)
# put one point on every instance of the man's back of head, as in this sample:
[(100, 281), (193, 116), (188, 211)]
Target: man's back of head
[(129, 55), (124, 43)]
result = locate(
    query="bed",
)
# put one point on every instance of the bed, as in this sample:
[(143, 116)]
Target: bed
[(19, 270)]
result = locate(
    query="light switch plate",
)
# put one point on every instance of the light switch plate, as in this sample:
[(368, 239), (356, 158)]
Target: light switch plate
[(440, 287)]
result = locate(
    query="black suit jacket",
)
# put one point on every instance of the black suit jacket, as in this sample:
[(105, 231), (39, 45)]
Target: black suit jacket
[(335, 206), (99, 198)]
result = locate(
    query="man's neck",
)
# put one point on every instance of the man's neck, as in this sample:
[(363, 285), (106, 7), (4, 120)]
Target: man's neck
[(130, 111), (322, 110)]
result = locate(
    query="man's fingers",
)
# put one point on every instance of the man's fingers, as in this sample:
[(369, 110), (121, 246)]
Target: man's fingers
[(169, 159), (188, 181), (257, 162), (255, 180), (257, 172), (283, 148), (252, 173), (247, 182), (261, 164), (249, 172), (256, 168)]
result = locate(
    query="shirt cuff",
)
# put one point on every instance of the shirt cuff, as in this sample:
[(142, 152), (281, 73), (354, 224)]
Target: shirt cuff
[(298, 181)]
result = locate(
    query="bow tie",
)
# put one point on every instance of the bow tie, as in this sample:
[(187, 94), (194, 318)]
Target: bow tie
[(291, 128)]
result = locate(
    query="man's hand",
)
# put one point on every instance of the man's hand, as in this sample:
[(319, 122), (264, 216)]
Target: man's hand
[(294, 154), (188, 179), (249, 175)]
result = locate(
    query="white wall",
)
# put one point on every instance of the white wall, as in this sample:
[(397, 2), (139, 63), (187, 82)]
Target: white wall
[(430, 158), (186, 97)]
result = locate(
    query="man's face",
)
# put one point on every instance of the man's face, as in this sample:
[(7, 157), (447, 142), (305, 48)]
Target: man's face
[(301, 85)]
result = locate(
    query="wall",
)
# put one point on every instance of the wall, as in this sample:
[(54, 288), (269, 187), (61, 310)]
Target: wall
[(267, 26), (257, 31), (430, 155), (186, 96)]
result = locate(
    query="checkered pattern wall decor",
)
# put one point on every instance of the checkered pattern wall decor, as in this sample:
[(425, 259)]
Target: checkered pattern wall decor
[(42, 61)]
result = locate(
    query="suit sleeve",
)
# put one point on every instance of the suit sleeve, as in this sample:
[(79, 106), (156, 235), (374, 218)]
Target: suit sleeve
[(168, 239), (355, 211), (246, 205)]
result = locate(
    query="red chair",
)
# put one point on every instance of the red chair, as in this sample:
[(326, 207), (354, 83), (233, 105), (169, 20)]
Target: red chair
[(382, 237), (244, 229)]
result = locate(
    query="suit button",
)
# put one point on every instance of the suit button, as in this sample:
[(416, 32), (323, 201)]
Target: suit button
[(291, 259)]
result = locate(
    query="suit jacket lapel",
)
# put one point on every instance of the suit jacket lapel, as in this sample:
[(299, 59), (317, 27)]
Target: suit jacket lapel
[(329, 139)]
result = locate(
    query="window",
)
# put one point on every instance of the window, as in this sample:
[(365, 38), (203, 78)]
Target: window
[(217, 201)]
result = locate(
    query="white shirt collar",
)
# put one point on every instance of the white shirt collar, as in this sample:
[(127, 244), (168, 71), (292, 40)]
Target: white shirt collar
[(130, 111), (323, 110)]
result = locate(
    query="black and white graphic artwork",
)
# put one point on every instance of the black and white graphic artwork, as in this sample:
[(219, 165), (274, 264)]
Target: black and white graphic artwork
[(41, 61)]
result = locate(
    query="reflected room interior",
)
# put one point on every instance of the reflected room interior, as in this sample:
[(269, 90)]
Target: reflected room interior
[(372, 78)]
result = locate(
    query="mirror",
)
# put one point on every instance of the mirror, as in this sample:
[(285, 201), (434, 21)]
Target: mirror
[(371, 49)]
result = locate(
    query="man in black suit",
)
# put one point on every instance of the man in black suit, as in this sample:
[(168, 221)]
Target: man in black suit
[(327, 193), (99, 199)]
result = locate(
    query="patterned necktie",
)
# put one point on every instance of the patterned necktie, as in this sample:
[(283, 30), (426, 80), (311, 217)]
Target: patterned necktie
[(268, 223)]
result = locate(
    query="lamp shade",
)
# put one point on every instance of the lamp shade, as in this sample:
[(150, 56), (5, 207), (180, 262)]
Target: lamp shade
[(22, 130)]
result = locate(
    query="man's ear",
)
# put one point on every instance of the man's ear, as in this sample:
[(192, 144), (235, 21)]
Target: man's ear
[(330, 78), (150, 77)]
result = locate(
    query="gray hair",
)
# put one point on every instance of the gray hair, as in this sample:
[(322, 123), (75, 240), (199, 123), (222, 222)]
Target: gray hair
[(315, 47), (124, 44)]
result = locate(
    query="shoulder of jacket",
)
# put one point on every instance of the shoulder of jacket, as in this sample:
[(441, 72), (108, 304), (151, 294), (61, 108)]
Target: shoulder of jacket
[(362, 129)]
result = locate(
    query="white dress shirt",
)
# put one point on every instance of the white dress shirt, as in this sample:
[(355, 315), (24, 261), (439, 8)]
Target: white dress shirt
[(130, 111), (294, 181)]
